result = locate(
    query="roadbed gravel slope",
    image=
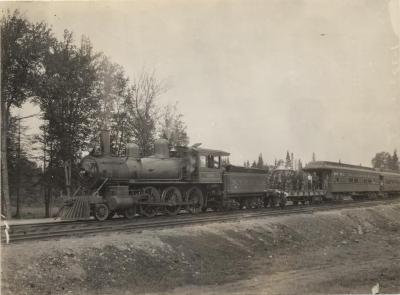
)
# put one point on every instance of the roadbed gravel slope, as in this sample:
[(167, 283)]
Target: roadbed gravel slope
[(341, 251)]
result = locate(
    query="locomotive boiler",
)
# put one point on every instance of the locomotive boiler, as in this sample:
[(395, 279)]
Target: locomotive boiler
[(133, 168)]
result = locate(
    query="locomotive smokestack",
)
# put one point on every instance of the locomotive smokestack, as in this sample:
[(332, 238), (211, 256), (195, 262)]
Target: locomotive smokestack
[(105, 142)]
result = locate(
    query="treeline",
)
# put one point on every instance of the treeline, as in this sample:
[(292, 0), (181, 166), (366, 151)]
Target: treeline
[(80, 92), (290, 162), (385, 160), (382, 160)]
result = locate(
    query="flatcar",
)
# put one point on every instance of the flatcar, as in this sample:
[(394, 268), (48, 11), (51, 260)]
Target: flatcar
[(298, 186)]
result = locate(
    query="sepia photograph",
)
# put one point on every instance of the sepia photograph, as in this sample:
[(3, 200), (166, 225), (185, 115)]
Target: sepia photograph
[(200, 147)]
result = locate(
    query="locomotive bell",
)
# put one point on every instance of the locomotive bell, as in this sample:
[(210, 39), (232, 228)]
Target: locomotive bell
[(161, 149)]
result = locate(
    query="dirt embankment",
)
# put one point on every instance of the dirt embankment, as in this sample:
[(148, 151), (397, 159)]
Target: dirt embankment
[(347, 251)]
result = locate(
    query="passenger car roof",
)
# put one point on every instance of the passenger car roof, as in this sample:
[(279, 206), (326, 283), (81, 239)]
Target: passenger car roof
[(325, 165)]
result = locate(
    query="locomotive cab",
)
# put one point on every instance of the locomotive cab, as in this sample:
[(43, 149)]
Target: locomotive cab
[(209, 164)]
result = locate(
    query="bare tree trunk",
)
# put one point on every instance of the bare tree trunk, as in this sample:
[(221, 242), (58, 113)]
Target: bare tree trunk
[(49, 187), (17, 213), (67, 171), (5, 193), (47, 199)]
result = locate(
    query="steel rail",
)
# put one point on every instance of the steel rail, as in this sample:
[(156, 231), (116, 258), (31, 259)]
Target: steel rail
[(31, 226), (38, 231), (25, 236)]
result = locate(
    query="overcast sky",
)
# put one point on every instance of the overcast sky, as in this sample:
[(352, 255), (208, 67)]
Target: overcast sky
[(258, 76)]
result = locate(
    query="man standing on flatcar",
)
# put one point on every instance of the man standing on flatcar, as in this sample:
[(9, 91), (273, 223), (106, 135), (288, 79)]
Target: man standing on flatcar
[(309, 181)]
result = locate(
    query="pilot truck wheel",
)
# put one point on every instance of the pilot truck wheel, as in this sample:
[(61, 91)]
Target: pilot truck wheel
[(101, 212)]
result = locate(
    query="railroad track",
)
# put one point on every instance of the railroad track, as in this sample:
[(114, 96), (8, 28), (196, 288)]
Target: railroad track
[(54, 230)]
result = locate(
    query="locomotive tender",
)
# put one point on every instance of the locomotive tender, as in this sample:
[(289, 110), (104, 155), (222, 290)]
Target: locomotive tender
[(190, 178)]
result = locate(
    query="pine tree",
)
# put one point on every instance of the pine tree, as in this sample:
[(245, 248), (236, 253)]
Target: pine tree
[(300, 165), (260, 163), (382, 160), (288, 161), (292, 160), (395, 161), (254, 165)]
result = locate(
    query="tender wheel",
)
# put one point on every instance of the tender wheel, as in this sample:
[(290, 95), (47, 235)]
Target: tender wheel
[(195, 197), (172, 196), (295, 203), (154, 196), (266, 201), (130, 213), (242, 204), (250, 204), (101, 212), (273, 202), (259, 203)]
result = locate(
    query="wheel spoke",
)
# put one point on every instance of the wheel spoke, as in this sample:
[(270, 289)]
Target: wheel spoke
[(172, 196), (194, 196), (102, 212), (153, 196)]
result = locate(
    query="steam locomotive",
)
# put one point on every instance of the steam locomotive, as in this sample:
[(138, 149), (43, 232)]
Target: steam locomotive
[(195, 179), (190, 178)]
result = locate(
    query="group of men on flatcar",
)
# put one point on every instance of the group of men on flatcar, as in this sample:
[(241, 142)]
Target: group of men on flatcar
[(288, 179)]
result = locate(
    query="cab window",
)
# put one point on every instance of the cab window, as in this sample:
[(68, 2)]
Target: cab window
[(213, 161)]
